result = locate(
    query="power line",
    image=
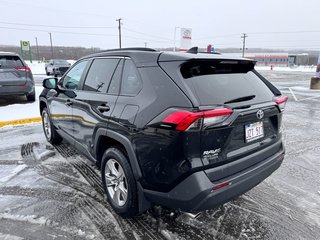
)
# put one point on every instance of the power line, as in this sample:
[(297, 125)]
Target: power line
[(55, 26), (63, 32), (146, 34), (286, 32)]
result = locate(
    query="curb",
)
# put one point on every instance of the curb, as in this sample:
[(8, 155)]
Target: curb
[(20, 121)]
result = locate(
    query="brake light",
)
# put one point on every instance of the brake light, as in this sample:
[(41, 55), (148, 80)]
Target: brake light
[(281, 102), (185, 120), (23, 68)]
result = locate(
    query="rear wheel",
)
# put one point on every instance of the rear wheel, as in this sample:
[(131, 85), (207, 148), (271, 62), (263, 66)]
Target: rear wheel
[(49, 130), (118, 182)]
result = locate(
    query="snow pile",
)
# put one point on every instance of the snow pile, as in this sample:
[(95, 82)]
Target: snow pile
[(36, 67), (21, 111)]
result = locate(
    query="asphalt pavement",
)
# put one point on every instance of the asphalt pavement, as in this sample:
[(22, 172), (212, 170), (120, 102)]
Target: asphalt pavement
[(53, 192)]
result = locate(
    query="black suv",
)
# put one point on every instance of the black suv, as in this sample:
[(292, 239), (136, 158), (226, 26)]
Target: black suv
[(187, 131)]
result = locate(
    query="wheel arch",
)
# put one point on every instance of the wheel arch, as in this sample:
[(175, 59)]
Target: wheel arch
[(42, 105), (105, 138)]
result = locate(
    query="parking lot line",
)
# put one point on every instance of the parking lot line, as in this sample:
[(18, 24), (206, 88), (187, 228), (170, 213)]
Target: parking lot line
[(20, 121)]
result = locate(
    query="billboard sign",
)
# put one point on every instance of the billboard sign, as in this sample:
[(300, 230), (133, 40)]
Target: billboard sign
[(185, 39)]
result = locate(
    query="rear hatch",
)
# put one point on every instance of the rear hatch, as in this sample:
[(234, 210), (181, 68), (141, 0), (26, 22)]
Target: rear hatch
[(12, 71), (249, 132)]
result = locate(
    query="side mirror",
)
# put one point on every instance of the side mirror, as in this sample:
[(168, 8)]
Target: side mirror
[(51, 64), (50, 83)]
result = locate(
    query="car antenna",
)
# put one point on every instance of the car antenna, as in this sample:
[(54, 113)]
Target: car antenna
[(193, 50)]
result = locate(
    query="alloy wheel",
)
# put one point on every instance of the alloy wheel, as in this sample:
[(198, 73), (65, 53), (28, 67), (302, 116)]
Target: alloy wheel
[(46, 124), (116, 182)]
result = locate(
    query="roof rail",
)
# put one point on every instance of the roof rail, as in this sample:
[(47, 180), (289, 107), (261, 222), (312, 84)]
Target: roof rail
[(129, 49)]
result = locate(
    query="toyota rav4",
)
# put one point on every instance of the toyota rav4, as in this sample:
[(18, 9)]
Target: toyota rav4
[(187, 131)]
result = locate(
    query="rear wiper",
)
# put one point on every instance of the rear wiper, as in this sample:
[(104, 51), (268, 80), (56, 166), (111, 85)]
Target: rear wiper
[(241, 99)]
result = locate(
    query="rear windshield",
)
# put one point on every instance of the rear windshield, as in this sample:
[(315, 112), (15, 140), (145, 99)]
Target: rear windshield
[(10, 62), (221, 81)]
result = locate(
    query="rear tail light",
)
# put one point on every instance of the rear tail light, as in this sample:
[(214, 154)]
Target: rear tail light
[(184, 120), (281, 102), (23, 68)]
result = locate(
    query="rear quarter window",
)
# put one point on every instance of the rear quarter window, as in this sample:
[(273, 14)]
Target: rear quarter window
[(217, 82)]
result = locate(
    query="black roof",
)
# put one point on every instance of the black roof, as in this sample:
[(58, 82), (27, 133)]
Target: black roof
[(150, 57)]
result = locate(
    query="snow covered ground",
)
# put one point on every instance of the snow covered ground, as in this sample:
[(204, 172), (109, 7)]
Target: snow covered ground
[(22, 109), (309, 69)]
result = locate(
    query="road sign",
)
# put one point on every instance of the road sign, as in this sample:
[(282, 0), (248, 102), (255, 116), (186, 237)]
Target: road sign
[(25, 45)]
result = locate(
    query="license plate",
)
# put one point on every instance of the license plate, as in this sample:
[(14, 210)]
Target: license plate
[(254, 131)]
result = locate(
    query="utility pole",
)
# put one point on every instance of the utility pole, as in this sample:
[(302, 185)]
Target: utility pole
[(119, 20), (244, 36), (37, 49), (51, 45)]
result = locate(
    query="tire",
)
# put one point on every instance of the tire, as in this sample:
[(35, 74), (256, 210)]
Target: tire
[(122, 188), (49, 130), (31, 97)]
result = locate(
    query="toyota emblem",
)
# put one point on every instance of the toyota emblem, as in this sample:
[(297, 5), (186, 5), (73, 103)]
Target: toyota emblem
[(260, 114)]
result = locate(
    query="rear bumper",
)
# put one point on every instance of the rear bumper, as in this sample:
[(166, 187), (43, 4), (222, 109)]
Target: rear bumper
[(17, 90), (195, 192)]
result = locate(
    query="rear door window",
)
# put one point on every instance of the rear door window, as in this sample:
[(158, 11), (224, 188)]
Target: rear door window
[(10, 62), (219, 81), (100, 74)]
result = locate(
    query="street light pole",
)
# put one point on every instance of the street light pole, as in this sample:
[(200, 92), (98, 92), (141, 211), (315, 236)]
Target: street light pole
[(51, 45)]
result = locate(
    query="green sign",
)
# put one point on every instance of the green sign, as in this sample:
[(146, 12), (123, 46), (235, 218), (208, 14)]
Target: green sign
[(26, 49)]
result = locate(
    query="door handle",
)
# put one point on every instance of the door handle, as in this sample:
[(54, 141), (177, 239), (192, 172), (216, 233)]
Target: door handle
[(103, 108), (68, 102)]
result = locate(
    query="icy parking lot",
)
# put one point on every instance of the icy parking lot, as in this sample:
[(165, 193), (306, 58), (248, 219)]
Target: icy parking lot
[(52, 192)]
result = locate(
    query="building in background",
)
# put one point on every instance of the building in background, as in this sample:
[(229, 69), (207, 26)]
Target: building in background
[(276, 59), (269, 59)]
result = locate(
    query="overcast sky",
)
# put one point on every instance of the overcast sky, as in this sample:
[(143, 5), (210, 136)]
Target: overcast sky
[(282, 24)]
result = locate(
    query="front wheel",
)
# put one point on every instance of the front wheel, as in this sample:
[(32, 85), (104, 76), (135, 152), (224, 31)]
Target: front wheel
[(49, 130), (119, 183)]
